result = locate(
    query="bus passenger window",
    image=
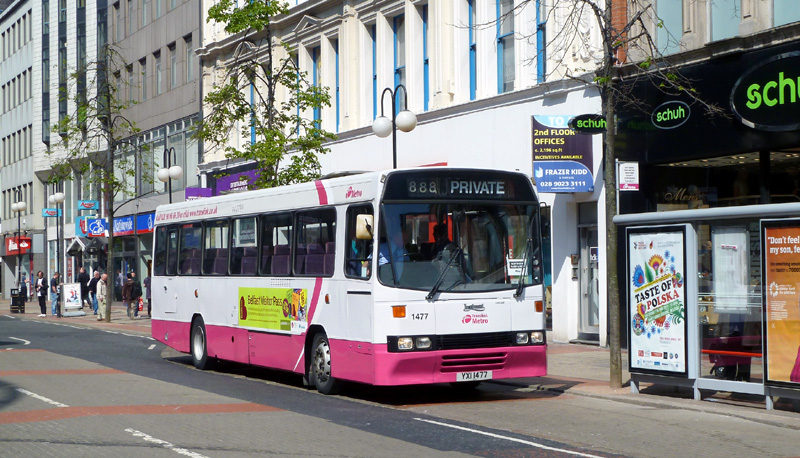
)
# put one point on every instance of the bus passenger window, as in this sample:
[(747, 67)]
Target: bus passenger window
[(276, 237), (316, 233), (160, 255), (190, 242), (244, 246), (172, 252), (215, 248), (358, 247)]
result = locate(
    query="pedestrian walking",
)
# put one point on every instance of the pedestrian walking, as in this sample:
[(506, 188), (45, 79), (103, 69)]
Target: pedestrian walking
[(131, 292), (147, 295), (83, 279), (118, 284), (101, 296), (93, 290), (55, 286), (41, 293), (23, 287)]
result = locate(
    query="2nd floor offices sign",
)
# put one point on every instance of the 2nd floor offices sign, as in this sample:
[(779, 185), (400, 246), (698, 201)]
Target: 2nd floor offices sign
[(562, 158)]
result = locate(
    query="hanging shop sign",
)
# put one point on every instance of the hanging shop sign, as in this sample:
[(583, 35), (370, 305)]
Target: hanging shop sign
[(670, 115), (80, 226), (562, 159), (588, 124), (123, 226), (657, 300), (96, 227), (51, 212), (781, 250), (88, 205), (767, 97), (17, 245), (144, 223)]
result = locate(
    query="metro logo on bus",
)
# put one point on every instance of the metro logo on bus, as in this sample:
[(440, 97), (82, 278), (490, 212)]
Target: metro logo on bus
[(478, 318), (353, 193)]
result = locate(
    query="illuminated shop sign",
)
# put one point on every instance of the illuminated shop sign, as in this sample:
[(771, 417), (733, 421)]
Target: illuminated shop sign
[(588, 124), (767, 96), (670, 115)]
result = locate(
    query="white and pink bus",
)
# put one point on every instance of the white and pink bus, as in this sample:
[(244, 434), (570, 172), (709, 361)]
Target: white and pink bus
[(400, 277)]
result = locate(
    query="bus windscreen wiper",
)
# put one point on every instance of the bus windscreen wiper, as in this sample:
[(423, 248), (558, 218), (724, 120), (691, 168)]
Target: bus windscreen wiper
[(439, 280), (523, 272)]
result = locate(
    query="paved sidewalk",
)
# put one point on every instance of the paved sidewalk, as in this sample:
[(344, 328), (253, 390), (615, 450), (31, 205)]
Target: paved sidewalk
[(576, 369)]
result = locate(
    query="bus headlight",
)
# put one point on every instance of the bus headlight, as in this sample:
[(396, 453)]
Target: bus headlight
[(522, 338), (423, 343), (405, 343), (537, 337)]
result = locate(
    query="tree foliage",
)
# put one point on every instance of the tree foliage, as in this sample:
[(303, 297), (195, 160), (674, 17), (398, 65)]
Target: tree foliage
[(264, 94)]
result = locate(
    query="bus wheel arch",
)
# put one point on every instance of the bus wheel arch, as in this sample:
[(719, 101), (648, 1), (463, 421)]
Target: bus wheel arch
[(319, 372), (198, 344)]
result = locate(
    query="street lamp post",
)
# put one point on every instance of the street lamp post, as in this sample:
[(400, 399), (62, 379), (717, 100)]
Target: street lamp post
[(57, 197), (405, 120), (18, 207), (170, 172)]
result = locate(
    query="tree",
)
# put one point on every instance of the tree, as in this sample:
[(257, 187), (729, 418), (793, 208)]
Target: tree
[(266, 96), (90, 136), (629, 33)]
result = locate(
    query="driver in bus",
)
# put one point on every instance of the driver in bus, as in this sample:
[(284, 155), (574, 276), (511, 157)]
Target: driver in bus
[(394, 251)]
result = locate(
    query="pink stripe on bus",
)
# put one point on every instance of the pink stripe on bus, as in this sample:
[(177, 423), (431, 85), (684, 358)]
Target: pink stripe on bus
[(323, 196), (314, 298)]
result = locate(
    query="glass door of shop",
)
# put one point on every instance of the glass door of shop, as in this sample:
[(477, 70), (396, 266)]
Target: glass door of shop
[(590, 284)]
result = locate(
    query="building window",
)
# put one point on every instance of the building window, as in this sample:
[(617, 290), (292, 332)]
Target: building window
[(505, 46), (173, 66), (316, 75), (143, 67), (425, 59), (131, 17), (725, 18), (145, 12), (159, 73), (399, 57), (335, 44), (119, 24), (785, 12), (374, 74), (129, 70), (670, 13), (541, 35), (187, 40)]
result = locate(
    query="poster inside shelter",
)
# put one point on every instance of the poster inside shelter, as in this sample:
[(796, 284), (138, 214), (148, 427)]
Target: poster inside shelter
[(782, 304), (657, 301)]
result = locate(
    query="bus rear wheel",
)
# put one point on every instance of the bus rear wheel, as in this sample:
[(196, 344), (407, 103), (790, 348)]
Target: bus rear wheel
[(199, 345), (321, 366)]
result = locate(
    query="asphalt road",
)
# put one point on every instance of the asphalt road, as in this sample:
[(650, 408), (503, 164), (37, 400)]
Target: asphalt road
[(74, 391)]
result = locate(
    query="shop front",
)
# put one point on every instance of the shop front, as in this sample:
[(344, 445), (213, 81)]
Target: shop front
[(133, 245), (711, 237)]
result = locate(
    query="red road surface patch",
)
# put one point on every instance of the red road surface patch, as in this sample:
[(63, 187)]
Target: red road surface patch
[(62, 372), (62, 413)]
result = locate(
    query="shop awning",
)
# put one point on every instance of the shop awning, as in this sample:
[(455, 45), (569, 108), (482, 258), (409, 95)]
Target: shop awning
[(78, 244)]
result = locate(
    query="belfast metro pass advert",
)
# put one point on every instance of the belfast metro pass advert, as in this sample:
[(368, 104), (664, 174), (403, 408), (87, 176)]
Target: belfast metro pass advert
[(657, 302), (562, 157)]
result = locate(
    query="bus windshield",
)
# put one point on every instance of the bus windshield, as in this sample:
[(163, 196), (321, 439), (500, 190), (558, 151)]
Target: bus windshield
[(459, 247)]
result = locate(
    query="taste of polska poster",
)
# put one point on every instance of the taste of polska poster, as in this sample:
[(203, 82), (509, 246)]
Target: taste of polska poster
[(657, 300)]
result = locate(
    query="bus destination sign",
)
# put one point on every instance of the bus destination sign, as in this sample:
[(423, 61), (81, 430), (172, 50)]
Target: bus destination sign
[(458, 184)]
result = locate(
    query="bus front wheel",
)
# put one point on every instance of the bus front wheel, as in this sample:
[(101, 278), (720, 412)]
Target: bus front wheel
[(199, 345), (321, 366)]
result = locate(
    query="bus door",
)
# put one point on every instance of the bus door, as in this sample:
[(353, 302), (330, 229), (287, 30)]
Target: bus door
[(359, 233)]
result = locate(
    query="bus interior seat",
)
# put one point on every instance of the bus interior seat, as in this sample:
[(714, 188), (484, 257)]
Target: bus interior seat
[(266, 259), (315, 259), (330, 252), (249, 260), (300, 259), (220, 266), (281, 261)]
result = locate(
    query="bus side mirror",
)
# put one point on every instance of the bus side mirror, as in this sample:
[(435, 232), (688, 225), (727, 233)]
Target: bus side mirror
[(364, 227)]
